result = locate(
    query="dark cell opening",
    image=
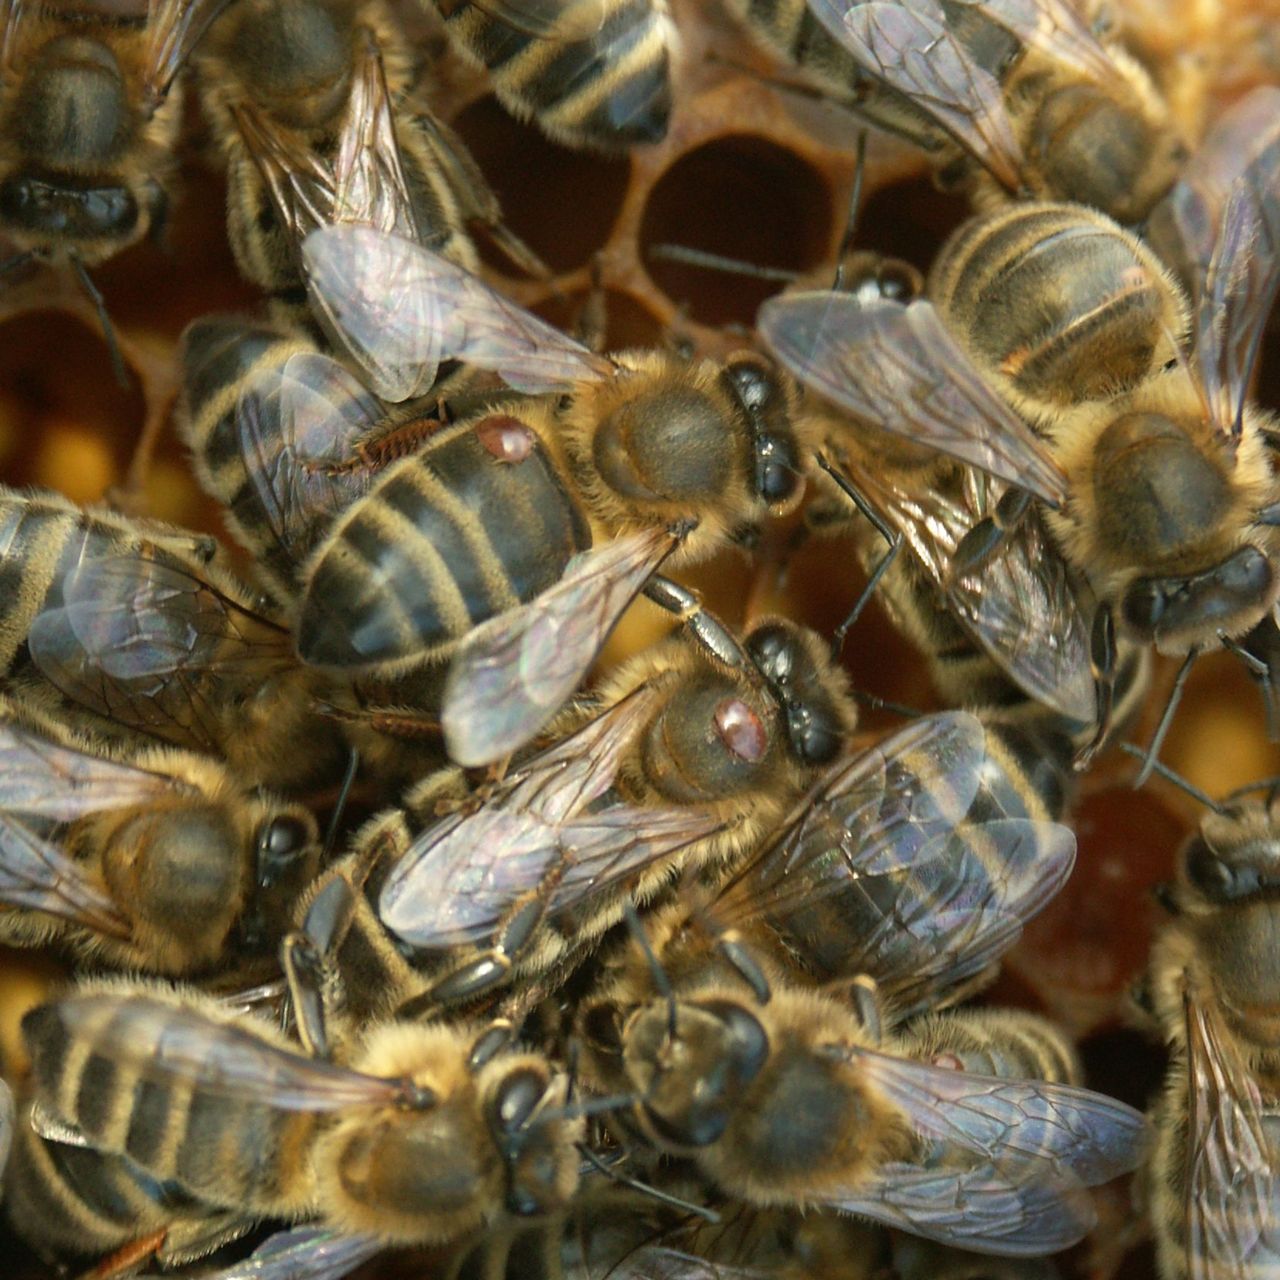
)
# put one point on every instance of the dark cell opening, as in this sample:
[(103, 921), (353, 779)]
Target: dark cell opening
[(754, 201), (562, 203), (628, 323), (909, 220)]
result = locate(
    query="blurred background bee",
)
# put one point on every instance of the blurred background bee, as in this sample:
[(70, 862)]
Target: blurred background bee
[(1157, 484), (89, 127), (150, 859), (298, 1138), (589, 73), (1213, 1178), (1045, 107)]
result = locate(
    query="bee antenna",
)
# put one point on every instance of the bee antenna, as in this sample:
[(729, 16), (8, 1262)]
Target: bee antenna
[(660, 979), (590, 1107), (719, 262), (344, 793), (855, 208), (1271, 784), (885, 704), (94, 295), (1166, 718), (663, 1197), (1171, 775)]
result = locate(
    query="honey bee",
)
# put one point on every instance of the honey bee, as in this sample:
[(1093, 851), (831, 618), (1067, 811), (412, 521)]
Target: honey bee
[(429, 1133), (643, 460), (311, 103), (184, 656), (589, 73), (89, 124), (786, 1096), (1158, 491), (1213, 1179), (153, 859), (680, 760), (1018, 99), (133, 626)]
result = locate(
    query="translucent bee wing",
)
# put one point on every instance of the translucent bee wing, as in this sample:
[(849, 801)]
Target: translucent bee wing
[(1220, 226), (511, 674), (867, 816), (477, 876), (401, 309), (561, 20), (369, 184), (298, 427), (548, 789), (899, 368), (37, 876), (927, 903), (612, 846), (908, 47), (562, 780), (1233, 1170), (1006, 1160), (1024, 608), (983, 1207), (957, 912), (135, 639), (169, 1045), (1066, 1131), (174, 28), (1056, 29), (656, 1262), (45, 779), (303, 1253)]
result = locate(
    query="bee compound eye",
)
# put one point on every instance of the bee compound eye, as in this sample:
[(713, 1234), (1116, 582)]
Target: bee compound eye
[(280, 843), (741, 730)]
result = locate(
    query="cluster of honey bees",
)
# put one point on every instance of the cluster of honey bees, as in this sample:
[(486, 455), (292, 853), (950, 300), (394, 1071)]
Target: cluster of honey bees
[(395, 923)]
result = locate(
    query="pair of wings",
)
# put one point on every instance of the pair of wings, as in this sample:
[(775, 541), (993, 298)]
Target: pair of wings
[(897, 367), (887, 831), (909, 47), (49, 783), (152, 645), (1233, 1157), (459, 878), (1006, 1164)]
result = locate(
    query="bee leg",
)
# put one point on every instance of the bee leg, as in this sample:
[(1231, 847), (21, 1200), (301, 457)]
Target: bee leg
[(703, 625), (1166, 718), (128, 1258), (868, 1006), (305, 974), (988, 536), (892, 537), (1260, 669), (1102, 661), (733, 950)]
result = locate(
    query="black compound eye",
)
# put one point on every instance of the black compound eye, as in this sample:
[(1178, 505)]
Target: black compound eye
[(778, 476), (899, 281), (773, 653), (1219, 880), (813, 739), (516, 1100), (280, 843)]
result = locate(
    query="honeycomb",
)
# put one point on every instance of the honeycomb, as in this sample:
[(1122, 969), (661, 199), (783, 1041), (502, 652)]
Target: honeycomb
[(760, 171)]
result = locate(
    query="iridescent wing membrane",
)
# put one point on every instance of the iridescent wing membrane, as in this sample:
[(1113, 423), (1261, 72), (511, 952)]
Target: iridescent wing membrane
[(458, 880), (151, 645), (898, 369), (43, 783), (1233, 1158), (1007, 1163), (902, 865)]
